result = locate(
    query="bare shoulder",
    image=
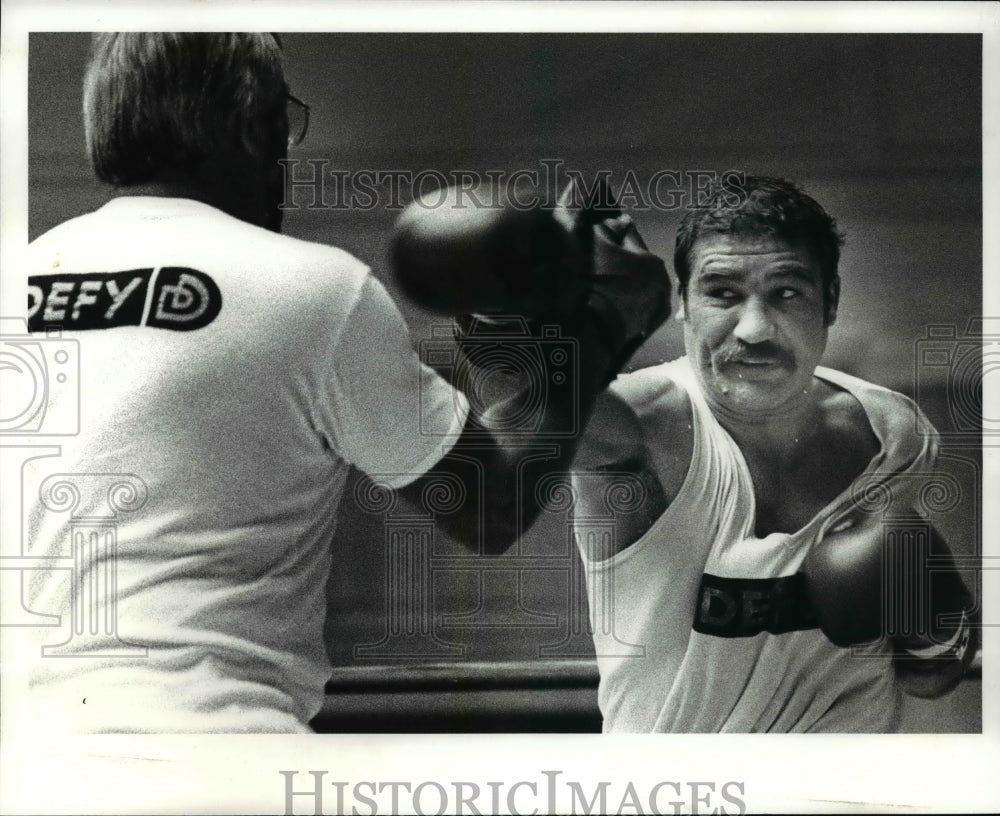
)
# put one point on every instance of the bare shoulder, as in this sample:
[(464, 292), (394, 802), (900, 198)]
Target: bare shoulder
[(653, 388), (643, 419), (640, 434), (846, 424), (890, 411), (660, 403)]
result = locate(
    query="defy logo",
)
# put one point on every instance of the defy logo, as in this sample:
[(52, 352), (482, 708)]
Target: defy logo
[(168, 297), (744, 607)]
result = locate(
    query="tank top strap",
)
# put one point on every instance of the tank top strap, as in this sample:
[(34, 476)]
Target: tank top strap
[(717, 490)]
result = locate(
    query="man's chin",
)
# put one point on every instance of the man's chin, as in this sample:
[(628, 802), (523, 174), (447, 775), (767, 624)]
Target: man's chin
[(755, 391), (743, 402)]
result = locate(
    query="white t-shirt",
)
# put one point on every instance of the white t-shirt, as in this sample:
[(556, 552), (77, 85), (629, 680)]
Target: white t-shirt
[(700, 626), (229, 376)]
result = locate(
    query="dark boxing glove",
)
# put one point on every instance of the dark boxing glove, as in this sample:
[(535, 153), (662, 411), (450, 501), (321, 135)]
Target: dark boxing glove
[(579, 264), (904, 586)]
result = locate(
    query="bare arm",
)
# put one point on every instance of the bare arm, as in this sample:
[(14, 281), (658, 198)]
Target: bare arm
[(632, 462), (500, 463)]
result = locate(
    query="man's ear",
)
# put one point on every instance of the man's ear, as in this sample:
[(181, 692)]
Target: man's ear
[(832, 300), (681, 314)]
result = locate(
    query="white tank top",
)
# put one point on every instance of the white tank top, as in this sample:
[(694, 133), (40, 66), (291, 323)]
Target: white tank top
[(700, 626)]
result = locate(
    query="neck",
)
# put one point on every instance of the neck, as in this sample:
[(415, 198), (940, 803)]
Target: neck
[(781, 431), (241, 191), (173, 189)]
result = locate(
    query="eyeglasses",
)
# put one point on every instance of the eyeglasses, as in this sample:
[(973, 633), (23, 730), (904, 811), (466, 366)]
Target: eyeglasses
[(298, 119)]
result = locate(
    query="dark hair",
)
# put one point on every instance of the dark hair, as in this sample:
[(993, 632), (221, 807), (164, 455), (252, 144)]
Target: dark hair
[(760, 205), (156, 103)]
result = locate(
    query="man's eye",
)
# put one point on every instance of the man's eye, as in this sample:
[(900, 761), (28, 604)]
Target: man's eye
[(787, 292), (722, 293)]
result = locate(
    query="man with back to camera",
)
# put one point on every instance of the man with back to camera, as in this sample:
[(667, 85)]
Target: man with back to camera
[(750, 575), (230, 376)]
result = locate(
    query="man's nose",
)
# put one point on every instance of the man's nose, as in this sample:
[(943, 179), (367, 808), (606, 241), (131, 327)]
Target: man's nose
[(755, 324)]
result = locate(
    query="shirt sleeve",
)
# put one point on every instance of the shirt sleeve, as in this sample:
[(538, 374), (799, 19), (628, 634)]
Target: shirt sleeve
[(390, 415)]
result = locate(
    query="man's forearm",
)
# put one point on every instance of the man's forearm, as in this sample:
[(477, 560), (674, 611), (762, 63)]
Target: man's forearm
[(508, 461)]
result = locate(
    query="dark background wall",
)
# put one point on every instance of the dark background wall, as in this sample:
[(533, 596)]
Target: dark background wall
[(884, 130)]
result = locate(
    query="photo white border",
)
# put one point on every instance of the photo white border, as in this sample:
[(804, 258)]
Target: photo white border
[(223, 774)]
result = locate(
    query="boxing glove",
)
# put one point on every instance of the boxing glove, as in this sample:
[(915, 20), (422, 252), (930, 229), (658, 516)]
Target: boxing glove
[(578, 262), (461, 251), (891, 578), (843, 577)]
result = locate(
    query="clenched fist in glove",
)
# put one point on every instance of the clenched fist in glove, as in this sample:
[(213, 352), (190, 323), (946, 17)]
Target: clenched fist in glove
[(575, 266)]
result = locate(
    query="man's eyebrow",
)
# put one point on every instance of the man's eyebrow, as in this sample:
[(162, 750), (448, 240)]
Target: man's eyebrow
[(721, 276), (794, 270)]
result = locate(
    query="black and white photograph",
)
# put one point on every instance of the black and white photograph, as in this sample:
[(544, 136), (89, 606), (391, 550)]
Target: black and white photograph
[(499, 408)]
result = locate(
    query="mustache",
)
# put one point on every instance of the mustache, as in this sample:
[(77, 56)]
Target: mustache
[(758, 352)]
